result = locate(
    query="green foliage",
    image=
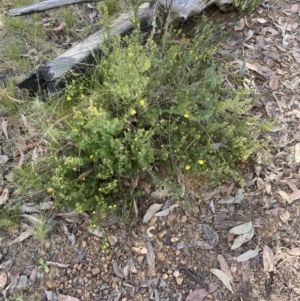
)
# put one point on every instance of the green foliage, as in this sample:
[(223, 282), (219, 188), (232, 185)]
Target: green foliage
[(40, 226), (9, 216), (43, 266), (247, 6), (151, 105)]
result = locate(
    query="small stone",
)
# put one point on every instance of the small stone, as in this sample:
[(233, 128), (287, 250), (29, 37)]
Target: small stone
[(177, 252), (52, 284), (87, 296), (195, 210), (88, 275), (95, 271), (176, 274), (165, 276), (79, 291), (184, 219), (174, 239), (161, 256), (83, 244), (153, 221), (112, 240), (172, 217), (162, 233), (179, 280), (142, 291)]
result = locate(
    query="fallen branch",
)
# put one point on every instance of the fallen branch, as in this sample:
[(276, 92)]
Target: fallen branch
[(45, 5), (82, 56)]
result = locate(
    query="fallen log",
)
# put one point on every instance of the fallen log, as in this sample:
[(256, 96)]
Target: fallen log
[(82, 56), (45, 5), (180, 8)]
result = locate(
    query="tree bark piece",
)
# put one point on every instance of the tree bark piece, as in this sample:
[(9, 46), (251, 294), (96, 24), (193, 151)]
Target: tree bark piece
[(82, 56), (45, 5)]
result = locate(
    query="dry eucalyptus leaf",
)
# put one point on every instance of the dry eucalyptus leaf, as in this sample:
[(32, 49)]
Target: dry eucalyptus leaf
[(294, 196), (242, 239), (33, 275), (261, 20), (241, 229), (293, 252), (160, 194), (285, 216), (118, 272), (3, 280), (294, 8), (223, 277), (224, 266), (98, 231), (66, 298), (150, 212), (4, 196), (201, 293), (20, 238), (208, 195), (268, 259), (248, 255), (4, 124), (284, 195), (274, 83), (127, 268), (276, 211), (166, 211), (297, 153)]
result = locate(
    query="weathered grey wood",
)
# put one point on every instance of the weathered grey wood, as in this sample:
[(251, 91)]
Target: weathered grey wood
[(81, 56), (180, 8), (45, 5)]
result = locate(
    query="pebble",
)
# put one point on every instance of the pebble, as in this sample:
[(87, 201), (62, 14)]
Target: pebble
[(184, 219), (165, 276), (161, 256), (172, 217), (52, 284), (162, 233), (84, 243), (179, 280), (95, 271), (112, 240)]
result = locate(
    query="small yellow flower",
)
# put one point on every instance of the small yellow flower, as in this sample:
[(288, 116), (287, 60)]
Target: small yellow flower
[(133, 112), (187, 167), (142, 102), (186, 115), (201, 162), (136, 139), (69, 97), (82, 96)]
